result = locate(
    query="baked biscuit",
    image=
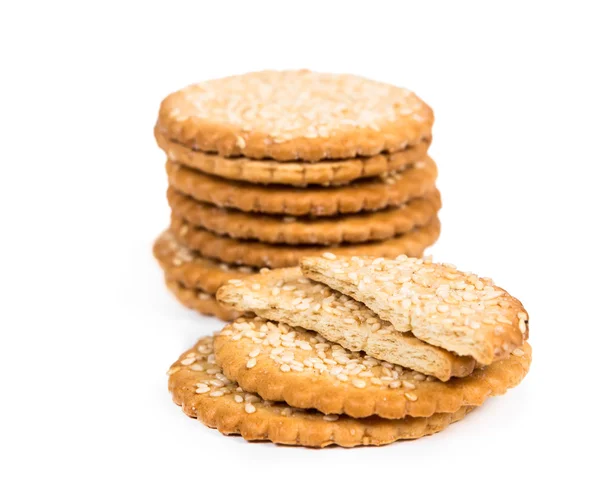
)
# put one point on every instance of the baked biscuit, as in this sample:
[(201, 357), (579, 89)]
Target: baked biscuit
[(392, 189), (285, 295), (301, 368), (352, 228), (191, 269), (325, 173), (289, 115), (440, 305), (200, 301), (254, 253), (199, 386)]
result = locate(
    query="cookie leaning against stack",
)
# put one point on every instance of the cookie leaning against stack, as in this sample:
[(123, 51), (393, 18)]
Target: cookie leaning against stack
[(319, 367), (268, 167)]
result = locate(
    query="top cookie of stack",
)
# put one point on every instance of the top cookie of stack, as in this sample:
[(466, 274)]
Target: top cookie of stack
[(267, 167)]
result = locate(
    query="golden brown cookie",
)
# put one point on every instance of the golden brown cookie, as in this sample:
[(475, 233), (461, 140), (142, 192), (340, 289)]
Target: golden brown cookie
[(290, 115), (301, 368), (326, 173), (352, 228), (363, 195), (285, 295), (199, 386), (254, 253), (191, 269), (200, 301), (440, 305)]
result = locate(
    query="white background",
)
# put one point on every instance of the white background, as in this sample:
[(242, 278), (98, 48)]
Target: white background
[(87, 327)]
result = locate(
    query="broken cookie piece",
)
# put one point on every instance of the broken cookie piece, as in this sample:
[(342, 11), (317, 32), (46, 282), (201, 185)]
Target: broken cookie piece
[(439, 304), (285, 295)]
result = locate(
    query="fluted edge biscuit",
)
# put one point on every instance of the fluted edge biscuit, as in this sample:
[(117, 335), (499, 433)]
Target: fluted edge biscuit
[(392, 189), (301, 368), (325, 173), (291, 115), (351, 228), (254, 253), (234, 411)]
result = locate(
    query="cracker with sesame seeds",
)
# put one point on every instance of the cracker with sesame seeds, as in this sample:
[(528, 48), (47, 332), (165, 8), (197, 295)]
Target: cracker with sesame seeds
[(326, 173), (286, 364), (439, 304), (285, 295), (392, 189), (289, 115), (192, 270), (199, 386), (200, 301), (268, 228), (254, 253)]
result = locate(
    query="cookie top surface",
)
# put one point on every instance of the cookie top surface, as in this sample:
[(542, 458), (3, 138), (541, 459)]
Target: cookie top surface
[(205, 393), (295, 115), (441, 305), (285, 295), (300, 367)]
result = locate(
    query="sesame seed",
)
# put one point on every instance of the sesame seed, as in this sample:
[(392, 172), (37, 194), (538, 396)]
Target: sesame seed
[(251, 363), (202, 388), (238, 398), (359, 383), (328, 255), (217, 393), (331, 418), (411, 396), (249, 408)]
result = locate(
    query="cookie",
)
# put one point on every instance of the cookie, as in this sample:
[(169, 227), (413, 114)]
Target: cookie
[(191, 269), (199, 386), (301, 368), (285, 295), (200, 301), (289, 115), (364, 195), (352, 228), (440, 305), (326, 173), (254, 253)]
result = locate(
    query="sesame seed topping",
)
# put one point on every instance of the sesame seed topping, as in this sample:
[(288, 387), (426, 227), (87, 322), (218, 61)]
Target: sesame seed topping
[(249, 408)]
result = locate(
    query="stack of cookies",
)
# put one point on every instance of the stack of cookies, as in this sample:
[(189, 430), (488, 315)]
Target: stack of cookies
[(354, 351), (268, 167)]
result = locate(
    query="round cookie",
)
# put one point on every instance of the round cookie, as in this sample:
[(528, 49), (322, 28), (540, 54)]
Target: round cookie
[(326, 173), (200, 388), (300, 367), (254, 253), (373, 194), (353, 228), (200, 301), (192, 270), (289, 115)]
